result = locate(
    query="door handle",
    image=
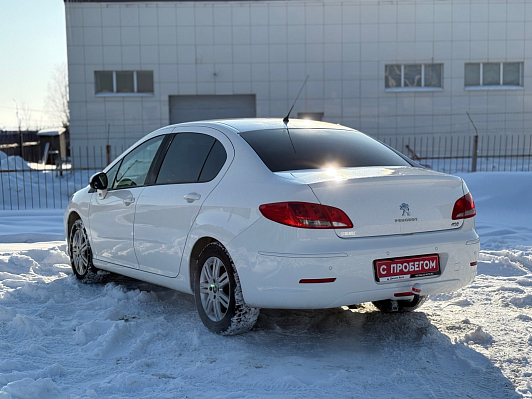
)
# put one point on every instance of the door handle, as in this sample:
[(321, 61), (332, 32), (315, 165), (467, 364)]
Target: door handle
[(191, 197), (129, 201)]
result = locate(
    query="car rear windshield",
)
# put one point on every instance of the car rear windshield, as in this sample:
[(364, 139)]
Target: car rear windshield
[(297, 149)]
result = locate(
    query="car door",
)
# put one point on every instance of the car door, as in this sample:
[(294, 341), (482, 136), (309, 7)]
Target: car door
[(112, 211), (193, 165)]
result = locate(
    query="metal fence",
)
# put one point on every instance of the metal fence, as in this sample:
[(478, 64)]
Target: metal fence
[(466, 153), (28, 185)]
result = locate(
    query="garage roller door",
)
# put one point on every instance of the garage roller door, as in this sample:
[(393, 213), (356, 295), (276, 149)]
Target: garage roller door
[(194, 108)]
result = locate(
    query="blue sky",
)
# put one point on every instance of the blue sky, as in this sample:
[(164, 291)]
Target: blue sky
[(32, 44)]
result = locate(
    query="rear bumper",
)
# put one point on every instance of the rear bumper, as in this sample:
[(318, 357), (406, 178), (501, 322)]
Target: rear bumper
[(270, 277)]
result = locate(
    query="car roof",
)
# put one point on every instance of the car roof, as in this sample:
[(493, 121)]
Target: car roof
[(251, 124)]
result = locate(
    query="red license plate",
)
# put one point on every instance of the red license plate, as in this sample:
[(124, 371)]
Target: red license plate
[(408, 267)]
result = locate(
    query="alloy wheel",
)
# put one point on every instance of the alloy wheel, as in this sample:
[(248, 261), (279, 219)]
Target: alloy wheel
[(214, 289), (80, 251)]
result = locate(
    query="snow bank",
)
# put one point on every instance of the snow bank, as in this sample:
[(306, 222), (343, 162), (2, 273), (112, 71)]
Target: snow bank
[(12, 162), (504, 208), (32, 225)]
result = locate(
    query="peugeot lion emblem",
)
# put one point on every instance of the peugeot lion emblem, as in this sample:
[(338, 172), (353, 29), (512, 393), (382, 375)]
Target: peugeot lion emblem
[(404, 207)]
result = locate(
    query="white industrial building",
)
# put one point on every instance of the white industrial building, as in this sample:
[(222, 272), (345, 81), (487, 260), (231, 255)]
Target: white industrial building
[(395, 67)]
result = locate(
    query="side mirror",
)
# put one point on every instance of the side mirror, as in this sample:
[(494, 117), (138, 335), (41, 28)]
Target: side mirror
[(99, 181)]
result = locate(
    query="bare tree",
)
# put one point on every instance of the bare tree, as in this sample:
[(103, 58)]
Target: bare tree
[(24, 116), (57, 97), (19, 118)]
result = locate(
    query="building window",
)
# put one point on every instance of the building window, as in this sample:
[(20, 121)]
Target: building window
[(413, 77), (123, 82), (104, 81), (493, 74), (144, 81)]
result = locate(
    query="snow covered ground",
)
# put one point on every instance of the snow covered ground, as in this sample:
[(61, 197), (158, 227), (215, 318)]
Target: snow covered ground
[(127, 339)]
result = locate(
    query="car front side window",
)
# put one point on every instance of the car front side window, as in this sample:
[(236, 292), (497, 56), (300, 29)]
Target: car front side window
[(135, 165)]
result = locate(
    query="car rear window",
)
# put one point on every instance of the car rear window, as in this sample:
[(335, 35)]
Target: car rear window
[(297, 149)]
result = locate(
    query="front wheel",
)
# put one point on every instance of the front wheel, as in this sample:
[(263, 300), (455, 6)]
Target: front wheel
[(389, 306), (81, 254), (218, 294)]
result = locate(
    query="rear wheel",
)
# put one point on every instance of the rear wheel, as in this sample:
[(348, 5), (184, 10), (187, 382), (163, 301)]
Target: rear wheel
[(81, 254), (390, 306), (218, 294)]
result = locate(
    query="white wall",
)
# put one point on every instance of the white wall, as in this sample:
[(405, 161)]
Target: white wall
[(268, 47)]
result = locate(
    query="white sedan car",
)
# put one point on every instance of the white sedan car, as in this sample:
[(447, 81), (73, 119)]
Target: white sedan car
[(260, 213)]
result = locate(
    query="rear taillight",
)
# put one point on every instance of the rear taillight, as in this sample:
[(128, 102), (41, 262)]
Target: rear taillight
[(306, 215), (464, 207)]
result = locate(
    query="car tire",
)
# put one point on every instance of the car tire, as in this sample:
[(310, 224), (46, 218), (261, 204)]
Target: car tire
[(218, 293), (386, 305), (80, 252)]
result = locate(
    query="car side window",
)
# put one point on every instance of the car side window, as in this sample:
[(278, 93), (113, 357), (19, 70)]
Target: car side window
[(215, 161), (186, 158), (136, 164)]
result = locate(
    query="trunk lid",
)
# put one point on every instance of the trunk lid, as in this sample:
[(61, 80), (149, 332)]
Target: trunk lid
[(384, 201)]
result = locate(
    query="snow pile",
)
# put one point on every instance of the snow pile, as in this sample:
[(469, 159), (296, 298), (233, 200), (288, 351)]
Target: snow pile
[(12, 162), (128, 339), (504, 208), (478, 337)]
